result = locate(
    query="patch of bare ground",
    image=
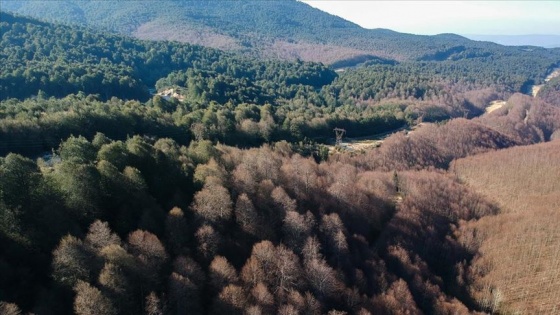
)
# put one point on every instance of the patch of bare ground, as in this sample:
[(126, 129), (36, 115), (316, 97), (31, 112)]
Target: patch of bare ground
[(497, 104), (171, 93), (536, 88), (516, 268), (158, 30), (555, 73), (314, 52), (369, 142), (357, 145)]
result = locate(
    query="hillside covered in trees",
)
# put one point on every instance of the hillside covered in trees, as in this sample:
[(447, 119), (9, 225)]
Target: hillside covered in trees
[(529, 199), (226, 199), (60, 60), (139, 225), (285, 29)]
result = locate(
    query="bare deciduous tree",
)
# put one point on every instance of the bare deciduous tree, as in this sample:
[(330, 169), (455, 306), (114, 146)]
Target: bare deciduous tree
[(213, 203), (176, 229), (208, 241), (100, 235), (283, 200), (9, 308), (90, 301), (246, 215), (262, 295), (153, 305), (71, 261), (252, 272), (322, 278), (184, 295), (188, 267), (231, 300), (222, 273), (148, 248), (296, 228)]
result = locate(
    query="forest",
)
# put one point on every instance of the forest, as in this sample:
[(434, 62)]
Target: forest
[(229, 200), (273, 29)]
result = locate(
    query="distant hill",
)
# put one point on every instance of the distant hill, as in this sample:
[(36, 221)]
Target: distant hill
[(59, 60), (280, 29), (546, 41)]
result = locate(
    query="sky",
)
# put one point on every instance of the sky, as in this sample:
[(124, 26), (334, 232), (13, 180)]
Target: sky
[(459, 17)]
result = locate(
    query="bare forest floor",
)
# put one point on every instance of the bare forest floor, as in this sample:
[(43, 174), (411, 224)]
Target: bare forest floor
[(369, 142), (497, 104), (169, 93), (536, 88)]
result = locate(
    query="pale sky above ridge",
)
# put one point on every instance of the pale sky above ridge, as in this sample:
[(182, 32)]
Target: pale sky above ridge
[(459, 17)]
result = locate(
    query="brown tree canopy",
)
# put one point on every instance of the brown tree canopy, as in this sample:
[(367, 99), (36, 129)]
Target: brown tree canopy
[(213, 203), (89, 300)]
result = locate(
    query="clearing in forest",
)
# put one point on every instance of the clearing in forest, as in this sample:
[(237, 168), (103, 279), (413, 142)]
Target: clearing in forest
[(495, 105), (536, 88)]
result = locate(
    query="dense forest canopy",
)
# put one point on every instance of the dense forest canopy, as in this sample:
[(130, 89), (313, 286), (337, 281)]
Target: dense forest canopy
[(60, 60), (168, 216), (219, 192), (233, 99)]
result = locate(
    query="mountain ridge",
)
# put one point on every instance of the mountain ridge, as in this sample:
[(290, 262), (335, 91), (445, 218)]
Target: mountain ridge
[(272, 29), (540, 40)]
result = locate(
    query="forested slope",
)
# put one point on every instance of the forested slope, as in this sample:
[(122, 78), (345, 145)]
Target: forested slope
[(213, 229), (60, 60), (516, 268), (267, 230), (224, 203), (550, 92), (286, 29)]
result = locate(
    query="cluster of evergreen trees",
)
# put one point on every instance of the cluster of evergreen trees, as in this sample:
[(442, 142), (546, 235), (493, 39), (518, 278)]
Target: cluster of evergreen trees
[(60, 60)]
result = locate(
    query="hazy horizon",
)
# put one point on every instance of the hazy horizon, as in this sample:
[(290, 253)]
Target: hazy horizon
[(458, 17), (543, 40)]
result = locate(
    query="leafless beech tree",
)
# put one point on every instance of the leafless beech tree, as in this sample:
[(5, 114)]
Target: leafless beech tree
[(153, 305), (184, 295), (148, 248), (262, 296), (176, 229), (90, 301), (247, 217), (231, 300), (9, 308), (222, 273), (100, 235), (71, 261), (323, 278), (213, 203), (296, 228), (209, 241)]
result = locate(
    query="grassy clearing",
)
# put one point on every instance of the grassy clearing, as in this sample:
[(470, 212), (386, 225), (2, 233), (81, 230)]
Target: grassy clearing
[(497, 104)]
